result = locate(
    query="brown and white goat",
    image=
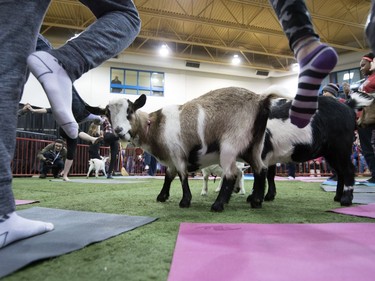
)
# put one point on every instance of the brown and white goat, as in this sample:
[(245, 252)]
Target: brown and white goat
[(218, 127)]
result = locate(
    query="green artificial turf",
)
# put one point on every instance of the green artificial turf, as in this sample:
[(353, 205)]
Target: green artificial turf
[(146, 252)]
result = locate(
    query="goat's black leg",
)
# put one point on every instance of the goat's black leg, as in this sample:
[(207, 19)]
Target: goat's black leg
[(164, 193), (348, 179), (186, 194), (271, 173), (224, 194), (345, 178), (256, 197)]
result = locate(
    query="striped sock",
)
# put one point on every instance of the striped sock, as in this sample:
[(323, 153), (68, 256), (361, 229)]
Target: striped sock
[(313, 69)]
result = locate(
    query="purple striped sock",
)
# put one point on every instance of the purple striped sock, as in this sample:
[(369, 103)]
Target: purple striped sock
[(313, 69)]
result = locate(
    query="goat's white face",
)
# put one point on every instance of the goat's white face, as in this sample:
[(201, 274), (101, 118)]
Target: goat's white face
[(121, 113)]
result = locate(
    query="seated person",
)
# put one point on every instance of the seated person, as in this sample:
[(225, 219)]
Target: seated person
[(52, 157)]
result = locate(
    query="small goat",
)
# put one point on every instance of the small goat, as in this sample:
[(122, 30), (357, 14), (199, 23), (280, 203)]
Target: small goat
[(218, 127), (97, 165), (330, 134), (216, 170)]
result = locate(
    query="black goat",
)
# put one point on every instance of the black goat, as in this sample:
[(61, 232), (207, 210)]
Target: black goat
[(330, 134)]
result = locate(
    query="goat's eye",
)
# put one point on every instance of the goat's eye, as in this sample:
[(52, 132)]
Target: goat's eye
[(130, 111)]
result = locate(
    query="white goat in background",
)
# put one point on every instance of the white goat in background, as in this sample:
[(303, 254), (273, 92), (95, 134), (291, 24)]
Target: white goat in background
[(216, 170)]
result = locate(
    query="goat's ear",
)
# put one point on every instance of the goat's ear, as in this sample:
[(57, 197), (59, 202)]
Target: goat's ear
[(140, 102), (96, 110)]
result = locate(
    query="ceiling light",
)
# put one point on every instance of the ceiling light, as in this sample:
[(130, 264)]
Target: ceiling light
[(236, 60), (164, 50)]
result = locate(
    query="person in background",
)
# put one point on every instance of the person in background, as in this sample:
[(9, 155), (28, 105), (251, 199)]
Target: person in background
[(52, 157), (357, 157), (151, 163), (331, 90), (71, 143), (116, 26), (316, 60), (115, 89), (346, 91), (366, 118), (94, 131), (291, 167)]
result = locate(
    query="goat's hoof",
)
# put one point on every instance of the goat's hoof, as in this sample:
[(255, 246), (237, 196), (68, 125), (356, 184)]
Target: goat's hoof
[(162, 198), (249, 198), (346, 203), (269, 197), (337, 198), (217, 207), (347, 198), (256, 204), (184, 204)]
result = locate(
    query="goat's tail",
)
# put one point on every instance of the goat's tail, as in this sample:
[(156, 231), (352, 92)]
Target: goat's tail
[(359, 100)]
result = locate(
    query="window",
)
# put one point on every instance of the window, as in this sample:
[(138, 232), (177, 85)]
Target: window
[(137, 82), (349, 75)]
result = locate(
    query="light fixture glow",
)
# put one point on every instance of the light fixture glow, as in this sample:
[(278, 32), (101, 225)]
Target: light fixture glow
[(164, 50), (236, 60), (295, 67)]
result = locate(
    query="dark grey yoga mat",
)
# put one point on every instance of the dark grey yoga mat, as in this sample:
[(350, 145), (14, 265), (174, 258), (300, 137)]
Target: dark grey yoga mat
[(363, 198), (73, 230), (357, 188)]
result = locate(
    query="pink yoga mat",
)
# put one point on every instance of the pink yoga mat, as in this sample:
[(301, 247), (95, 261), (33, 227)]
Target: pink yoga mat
[(367, 211), (274, 252), (24, 202)]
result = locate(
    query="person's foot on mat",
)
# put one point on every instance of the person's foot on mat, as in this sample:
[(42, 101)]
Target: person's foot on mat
[(58, 87), (14, 228), (316, 61)]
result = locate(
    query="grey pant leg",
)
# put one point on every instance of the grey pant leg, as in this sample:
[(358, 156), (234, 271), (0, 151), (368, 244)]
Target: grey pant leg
[(20, 22), (116, 27), (370, 28), (294, 19)]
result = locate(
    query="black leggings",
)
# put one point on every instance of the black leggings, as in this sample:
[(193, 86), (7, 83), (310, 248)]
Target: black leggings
[(112, 141), (71, 145)]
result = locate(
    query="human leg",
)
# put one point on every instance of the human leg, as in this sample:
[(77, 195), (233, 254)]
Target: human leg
[(71, 147), (57, 167), (291, 166), (44, 169), (116, 27), (367, 150), (20, 22), (114, 151), (315, 59), (153, 165), (86, 137)]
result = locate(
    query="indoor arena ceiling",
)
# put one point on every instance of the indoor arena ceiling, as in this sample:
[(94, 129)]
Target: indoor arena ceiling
[(213, 31)]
